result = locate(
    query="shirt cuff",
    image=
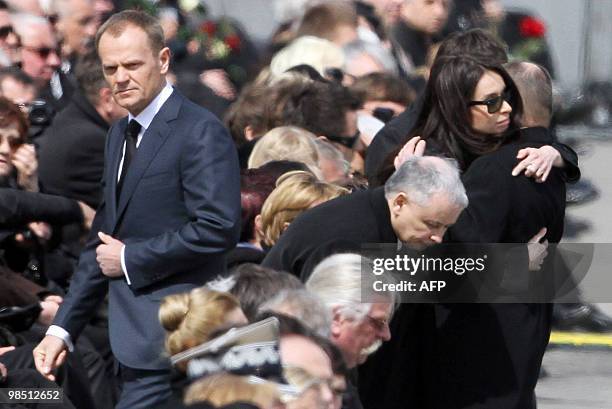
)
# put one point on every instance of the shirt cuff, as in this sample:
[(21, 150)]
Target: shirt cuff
[(62, 334), (123, 267)]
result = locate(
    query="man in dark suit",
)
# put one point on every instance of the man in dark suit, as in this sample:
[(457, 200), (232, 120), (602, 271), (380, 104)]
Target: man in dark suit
[(170, 210)]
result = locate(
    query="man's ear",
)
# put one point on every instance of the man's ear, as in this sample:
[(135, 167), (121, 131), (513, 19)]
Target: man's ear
[(164, 60), (400, 200), (259, 225), (249, 133), (337, 321)]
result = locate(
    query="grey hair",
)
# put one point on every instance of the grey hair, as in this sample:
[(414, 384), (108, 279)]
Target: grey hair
[(303, 305), (346, 280), (421, 177), (22, 22), (328, 151), (376, 51), (535, 86)]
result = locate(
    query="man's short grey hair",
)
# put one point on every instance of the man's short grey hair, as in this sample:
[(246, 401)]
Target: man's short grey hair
[(328, 151), (422, 177), (535, 86), (358, 47), (303, 305), (346, 280)]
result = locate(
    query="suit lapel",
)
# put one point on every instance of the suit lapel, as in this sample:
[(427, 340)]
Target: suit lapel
[(152, 140)]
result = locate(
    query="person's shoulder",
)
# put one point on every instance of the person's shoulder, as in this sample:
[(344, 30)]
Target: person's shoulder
[(194, 111)]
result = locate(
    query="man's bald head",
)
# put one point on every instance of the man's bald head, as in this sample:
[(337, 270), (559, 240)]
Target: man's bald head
[(535, 86)]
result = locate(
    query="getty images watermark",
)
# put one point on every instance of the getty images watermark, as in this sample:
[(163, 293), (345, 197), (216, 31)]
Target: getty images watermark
[(488, 273)]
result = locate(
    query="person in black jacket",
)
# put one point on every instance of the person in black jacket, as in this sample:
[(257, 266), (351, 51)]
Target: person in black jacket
[(478, 44)]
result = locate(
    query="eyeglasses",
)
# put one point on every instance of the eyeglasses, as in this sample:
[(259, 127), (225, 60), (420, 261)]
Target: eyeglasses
[(493, 104), (5, 31), (43, 52), (348, 141)]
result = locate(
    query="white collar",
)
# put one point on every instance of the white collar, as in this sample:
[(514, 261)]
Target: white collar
[(146, 116)]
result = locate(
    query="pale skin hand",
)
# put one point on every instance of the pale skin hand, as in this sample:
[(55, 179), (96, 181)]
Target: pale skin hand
[(26, 164), (414, 147), (537, 251), (537, 163), (108, 255), (49, 306), (49, 355), (88, 215)]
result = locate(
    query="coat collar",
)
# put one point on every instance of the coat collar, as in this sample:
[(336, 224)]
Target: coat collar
[(380, 208)]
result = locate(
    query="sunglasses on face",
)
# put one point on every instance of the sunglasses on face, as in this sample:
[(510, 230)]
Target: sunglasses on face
[(5, 31), (14, 141), (493, 104), (43, 52)]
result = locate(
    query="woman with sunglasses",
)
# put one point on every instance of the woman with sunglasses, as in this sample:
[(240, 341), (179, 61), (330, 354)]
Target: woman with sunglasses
[(485, 355)]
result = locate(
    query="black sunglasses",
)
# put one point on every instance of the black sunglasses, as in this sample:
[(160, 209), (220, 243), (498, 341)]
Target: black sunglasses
[(5, 31), (348, 141), (43, 52), (493, 104)]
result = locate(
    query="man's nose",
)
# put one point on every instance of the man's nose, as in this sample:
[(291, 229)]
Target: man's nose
[(53, 59), (385, 332), (5, 148)]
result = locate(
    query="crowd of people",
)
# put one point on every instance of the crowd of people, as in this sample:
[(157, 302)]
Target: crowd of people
[(183, 214)]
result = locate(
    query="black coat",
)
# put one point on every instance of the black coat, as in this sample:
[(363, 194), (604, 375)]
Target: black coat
[(509, 340), (339, 225), (71, 152)]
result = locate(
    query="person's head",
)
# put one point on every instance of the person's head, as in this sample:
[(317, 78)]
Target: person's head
[(334, 20), (253, 284), (319, 53), (303, 306), (169, 20), (88, 72), (476, 43), (425, 196), (363, 58), (307, 363), (76, 25), (295, 193), (191, 318), (39, 48), (224, 389), (426, 16), (334, 167), (13, 134), (9, 42), (388, 10), (383, 91), (469, 108), (285, 143), (134, 58), (246, 117), (18, 87), (360, 316), (535, 86)]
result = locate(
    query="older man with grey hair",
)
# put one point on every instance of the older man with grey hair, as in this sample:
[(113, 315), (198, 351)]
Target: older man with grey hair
[(360, 315), (418, 203)]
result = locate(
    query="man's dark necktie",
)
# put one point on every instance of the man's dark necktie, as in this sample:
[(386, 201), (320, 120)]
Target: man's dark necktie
[(131, 137)]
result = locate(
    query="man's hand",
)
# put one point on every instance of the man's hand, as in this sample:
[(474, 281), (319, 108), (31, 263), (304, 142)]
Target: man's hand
[(537, 163), (414, 147), (49, 355), (537, 251), (26, 164), (4, 350), (108, 255)]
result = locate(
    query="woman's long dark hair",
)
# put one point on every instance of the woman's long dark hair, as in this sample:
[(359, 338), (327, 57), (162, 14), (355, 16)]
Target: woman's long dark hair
[(445, 120)]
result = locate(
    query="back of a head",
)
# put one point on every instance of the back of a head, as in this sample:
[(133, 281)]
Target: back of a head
[(304, 306), (324, 20), (285, 143), (477, 43), (118, 22), (316, 52), (295, 193), (88, 72), (535, 86), (381, 86), (421, 177), (254, 284), (224, 389), (190, 318)]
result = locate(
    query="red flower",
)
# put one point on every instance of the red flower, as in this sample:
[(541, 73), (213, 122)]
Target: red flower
[(208, 27), (532, 27), (233, 42)]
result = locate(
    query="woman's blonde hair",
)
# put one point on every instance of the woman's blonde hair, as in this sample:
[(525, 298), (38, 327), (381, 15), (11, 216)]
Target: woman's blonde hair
[(295, 193), (224, 389), (190, 318), (285, 143), (320, 54)]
